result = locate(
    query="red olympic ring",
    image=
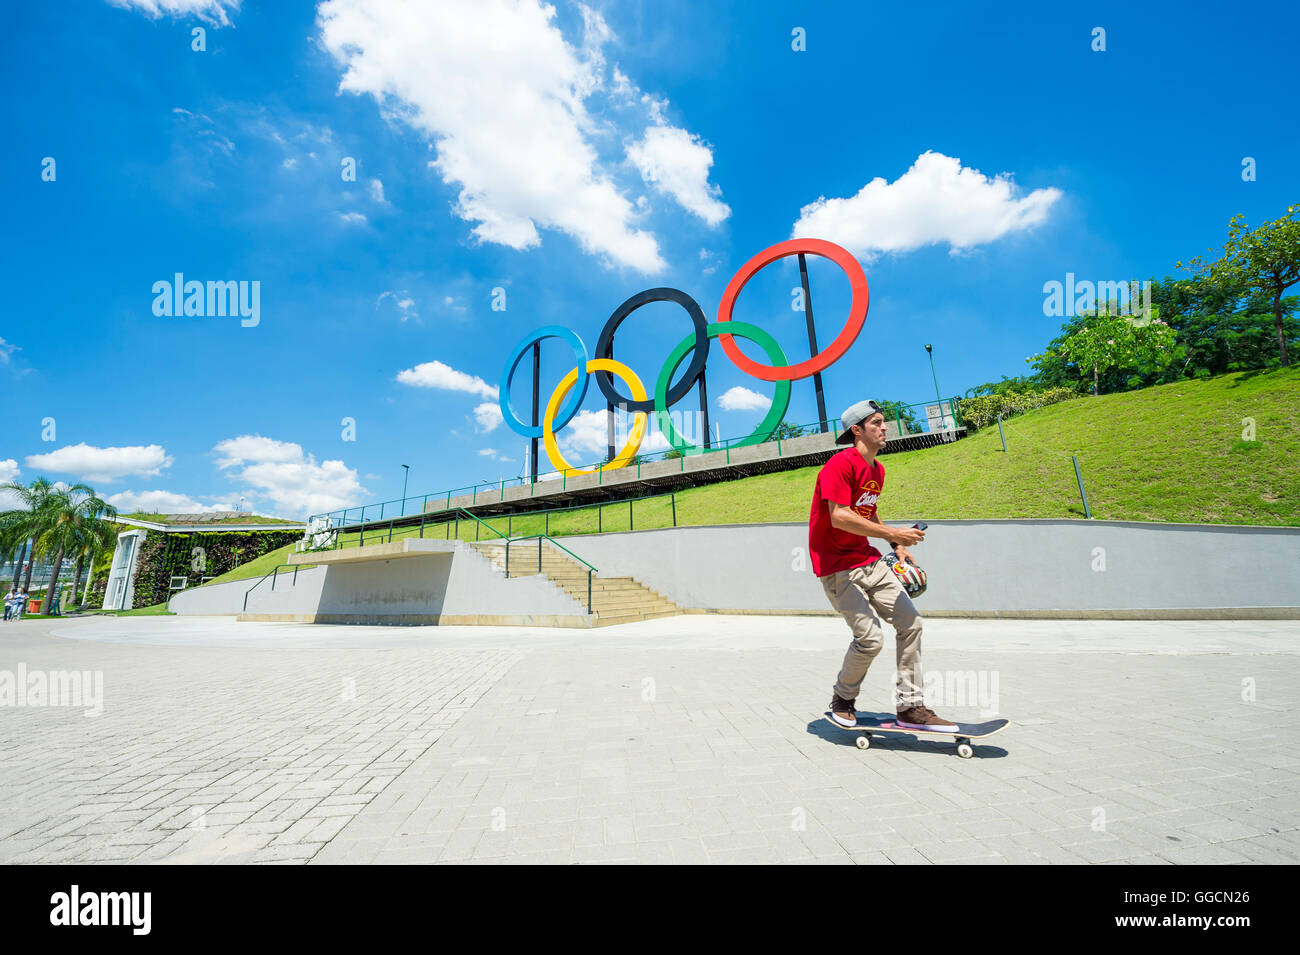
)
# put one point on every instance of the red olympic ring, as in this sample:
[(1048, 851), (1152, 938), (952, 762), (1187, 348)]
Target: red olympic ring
[(827, 356)]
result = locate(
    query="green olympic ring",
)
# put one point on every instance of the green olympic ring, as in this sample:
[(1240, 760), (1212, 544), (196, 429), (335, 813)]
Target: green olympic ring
[(780, 398)]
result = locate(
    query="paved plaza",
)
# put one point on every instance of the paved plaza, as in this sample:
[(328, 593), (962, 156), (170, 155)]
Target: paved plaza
[(696, 738)]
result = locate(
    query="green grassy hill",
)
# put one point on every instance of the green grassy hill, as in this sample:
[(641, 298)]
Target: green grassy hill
[(1169, 453), (258, 566)]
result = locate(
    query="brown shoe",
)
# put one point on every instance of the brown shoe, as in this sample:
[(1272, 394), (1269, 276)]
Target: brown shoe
[(923, 718), (842, 711)]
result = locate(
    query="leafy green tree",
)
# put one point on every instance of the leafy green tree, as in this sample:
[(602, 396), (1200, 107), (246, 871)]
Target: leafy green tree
[(784, 432), (1019, 385), (1222, 328), (1265, 260), (897, 411), (23, 523), (68, 520), (93, 539), (1105, 342), (13, 541)]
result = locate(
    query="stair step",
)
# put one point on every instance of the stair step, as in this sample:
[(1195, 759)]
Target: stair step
[(631, 603), (607, 620), (581, 584), (615, 592), (637, 595), (613, 599)]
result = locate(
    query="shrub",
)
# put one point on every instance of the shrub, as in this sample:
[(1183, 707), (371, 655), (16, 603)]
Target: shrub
[(983, 411)]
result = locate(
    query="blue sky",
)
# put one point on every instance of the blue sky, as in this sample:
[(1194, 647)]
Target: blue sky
[(571, 156)]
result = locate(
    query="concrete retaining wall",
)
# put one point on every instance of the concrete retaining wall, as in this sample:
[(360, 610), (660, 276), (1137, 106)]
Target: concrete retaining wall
[(459, 586), (1032, 568), (1055, 567), (288, 597)]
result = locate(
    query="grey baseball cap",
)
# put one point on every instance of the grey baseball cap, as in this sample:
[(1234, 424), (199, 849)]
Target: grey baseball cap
[(856, 414)]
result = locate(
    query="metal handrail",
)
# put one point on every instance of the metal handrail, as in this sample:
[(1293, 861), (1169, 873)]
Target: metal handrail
[(339, 532), (546, 513), (460, 509), (274, 572), (723, 445), (542, 537)]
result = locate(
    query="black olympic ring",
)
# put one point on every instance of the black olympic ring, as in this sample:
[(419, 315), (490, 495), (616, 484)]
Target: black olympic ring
[(700, 354)]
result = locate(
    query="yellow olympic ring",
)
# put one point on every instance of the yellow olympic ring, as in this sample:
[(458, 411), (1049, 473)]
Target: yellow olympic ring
[(561, 392)]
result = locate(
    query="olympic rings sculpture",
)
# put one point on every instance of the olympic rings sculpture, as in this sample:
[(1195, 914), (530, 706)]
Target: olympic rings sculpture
[(569, 394)]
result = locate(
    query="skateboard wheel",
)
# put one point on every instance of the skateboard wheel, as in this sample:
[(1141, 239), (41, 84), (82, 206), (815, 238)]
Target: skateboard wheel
[(964, 749), (864, 741)]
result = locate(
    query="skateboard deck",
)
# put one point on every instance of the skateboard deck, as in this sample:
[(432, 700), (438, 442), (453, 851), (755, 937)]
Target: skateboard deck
[(881, 723)]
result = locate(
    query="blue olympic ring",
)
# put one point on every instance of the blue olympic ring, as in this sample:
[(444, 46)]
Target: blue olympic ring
[(575, 397)]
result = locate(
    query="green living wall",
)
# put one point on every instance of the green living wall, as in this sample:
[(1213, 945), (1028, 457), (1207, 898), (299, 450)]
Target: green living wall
[(195, 555)]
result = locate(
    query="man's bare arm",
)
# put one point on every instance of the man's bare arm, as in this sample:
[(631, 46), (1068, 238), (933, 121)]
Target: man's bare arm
[(844, 518)]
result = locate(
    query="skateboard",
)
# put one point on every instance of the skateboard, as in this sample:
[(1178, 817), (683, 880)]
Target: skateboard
[(887, 724)]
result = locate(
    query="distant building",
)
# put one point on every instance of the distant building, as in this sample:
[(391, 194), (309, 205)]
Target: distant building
[(199, 562)]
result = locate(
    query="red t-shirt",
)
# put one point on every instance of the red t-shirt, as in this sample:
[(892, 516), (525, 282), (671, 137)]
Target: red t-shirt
[(844, 479)]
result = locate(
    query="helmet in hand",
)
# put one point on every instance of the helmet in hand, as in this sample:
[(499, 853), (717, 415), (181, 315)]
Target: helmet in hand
[(908, 574)]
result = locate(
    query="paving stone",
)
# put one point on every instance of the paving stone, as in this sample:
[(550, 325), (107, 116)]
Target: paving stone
[(421, 768)]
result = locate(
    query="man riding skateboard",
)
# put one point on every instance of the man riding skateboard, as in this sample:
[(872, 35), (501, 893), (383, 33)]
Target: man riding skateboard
[(856, 580)]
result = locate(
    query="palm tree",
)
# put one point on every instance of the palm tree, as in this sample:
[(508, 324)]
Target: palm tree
[(95, 538), (23, 522), (68, 521), (13, 543)]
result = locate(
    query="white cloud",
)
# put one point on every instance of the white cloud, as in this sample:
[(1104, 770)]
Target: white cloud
[(102, 464), (934, 201), (434, 374), (210, 11), (352, 218), (585, 439), (293, 481), (403, 301), (9, 500), (586, 434), (742, 399), (502, 95), (162, 502), (655, 107), (487, 452), (488, 417), (6, 351), (377, 192), (289, 163), (654, 441), (677, 163), (253, 447)]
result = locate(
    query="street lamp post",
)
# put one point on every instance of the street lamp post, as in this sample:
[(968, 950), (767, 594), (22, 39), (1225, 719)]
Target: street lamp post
[(406, 473), (929, 350)]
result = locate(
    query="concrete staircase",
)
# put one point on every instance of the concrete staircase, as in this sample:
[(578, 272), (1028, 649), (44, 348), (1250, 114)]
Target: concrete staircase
[(613, 599)]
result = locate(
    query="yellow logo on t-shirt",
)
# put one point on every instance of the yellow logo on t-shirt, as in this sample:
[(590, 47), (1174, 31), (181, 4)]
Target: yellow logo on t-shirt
[(866, 501)]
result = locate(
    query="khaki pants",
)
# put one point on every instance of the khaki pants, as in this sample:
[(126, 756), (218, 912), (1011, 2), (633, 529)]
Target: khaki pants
[(856, 594)]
